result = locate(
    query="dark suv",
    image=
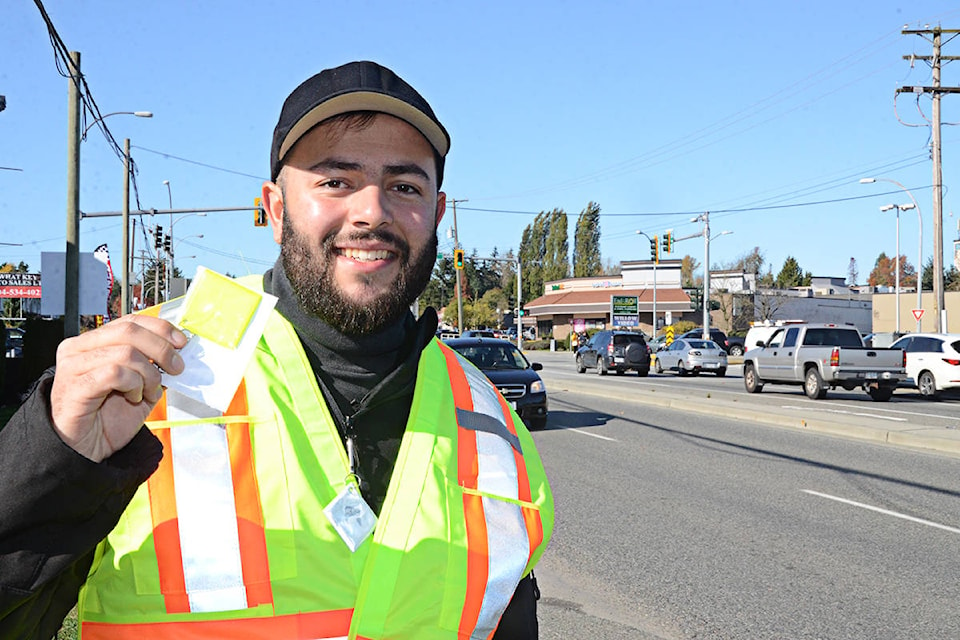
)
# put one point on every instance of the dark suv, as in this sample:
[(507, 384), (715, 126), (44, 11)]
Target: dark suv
[(616, 351), (715, 334)]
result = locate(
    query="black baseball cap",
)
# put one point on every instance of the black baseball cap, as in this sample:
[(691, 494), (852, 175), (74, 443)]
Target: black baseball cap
[(355, 86)]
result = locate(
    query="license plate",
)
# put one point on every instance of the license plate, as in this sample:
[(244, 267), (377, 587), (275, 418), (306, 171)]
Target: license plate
[(710, 365), (617, 359), (871, 376)]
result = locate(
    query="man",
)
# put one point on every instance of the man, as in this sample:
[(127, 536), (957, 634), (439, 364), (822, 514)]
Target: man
[(365, 482)]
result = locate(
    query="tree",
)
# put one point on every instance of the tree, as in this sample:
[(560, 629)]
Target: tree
[(951, 277), (532, 251), (689, 265), (884, 272), (556, 261), (11, 304), (852, 272), (791, 275), (586, 243), (440, 289)]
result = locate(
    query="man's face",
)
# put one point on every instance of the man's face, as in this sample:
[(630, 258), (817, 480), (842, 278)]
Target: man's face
[(360, 208)]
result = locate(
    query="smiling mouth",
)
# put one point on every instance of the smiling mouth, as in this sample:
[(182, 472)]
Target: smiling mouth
[(363, 255)]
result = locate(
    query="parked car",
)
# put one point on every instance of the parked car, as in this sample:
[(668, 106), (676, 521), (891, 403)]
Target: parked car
[(933, 362), (736, 346), (657, 344), (510, 371), (614, 350), (716, 335), (693, 355), (13, 342)]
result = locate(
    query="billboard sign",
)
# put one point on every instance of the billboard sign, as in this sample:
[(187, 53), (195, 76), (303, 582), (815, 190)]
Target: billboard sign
[(625, 311), (19, 285)]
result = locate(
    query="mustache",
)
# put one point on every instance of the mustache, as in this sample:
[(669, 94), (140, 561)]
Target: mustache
[(332, 239)]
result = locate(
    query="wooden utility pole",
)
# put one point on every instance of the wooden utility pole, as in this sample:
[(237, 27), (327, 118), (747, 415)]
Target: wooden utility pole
[(71, 303), (934, 35)]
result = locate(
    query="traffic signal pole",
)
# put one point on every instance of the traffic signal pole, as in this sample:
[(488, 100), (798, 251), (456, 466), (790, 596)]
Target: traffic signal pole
[(456, 245)]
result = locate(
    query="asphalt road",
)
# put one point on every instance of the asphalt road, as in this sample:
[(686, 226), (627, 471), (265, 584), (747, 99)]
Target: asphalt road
[(673, 524)]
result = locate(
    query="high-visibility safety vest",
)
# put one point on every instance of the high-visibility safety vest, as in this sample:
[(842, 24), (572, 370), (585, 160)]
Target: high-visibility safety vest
[(228, 538)]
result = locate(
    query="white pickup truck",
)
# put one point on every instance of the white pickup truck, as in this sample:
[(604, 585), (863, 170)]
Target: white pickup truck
[(822, 356)]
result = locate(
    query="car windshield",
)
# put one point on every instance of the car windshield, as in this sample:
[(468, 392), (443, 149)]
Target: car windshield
[(494, 356)]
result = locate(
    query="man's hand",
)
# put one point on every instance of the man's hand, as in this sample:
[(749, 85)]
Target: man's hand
[(107, 381)]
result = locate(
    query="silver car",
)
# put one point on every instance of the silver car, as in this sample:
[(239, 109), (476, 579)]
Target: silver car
[(690, 355)]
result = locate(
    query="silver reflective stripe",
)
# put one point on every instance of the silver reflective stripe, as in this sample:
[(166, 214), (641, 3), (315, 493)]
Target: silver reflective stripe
[(507, 541), (206, 512), (509, 550)]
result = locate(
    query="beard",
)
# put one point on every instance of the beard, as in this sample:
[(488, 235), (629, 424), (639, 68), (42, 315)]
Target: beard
[(310, 270)]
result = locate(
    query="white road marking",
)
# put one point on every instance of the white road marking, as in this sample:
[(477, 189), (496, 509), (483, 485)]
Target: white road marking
[(592, 435), (883, 511), (849, 413)]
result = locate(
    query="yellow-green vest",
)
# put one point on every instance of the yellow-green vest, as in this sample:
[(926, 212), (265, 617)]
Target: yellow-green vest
[(228, 539)]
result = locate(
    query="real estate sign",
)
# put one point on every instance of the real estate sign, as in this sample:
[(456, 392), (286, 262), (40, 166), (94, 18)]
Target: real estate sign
[(625, 311)]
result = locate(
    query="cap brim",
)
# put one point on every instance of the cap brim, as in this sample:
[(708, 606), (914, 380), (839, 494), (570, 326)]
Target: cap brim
[(367, 101)]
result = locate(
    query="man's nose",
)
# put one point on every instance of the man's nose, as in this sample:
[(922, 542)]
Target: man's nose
[(370, 208)]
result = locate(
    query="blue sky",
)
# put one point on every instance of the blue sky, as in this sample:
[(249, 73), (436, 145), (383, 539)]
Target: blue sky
[(751, 110)]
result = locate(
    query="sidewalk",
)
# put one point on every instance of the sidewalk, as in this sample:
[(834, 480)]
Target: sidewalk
[(819, 417)]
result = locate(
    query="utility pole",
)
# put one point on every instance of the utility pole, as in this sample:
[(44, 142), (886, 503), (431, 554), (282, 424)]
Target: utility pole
[(71, 302), (934, 35), (125, 275), (458, 272)]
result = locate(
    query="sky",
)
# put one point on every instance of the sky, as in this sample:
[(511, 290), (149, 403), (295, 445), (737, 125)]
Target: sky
[(765, 114)]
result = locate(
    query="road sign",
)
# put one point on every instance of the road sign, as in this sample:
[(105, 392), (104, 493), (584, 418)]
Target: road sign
[(917, 314)]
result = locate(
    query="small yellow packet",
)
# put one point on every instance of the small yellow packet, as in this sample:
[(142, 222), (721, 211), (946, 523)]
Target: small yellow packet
[(218, 308)]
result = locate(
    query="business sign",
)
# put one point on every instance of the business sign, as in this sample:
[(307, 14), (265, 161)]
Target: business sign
[(625, 311), (19, 285)]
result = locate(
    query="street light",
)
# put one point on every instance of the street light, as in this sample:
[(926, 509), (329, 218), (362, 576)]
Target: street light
[(139, 114), (173, 248), (919, 251)]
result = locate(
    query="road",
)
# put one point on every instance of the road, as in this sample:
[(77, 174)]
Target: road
[(673, 524)]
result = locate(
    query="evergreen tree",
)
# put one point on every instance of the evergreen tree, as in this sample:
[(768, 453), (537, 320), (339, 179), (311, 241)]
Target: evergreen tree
[(791, 275), (556, 262), (533, 248), (586, 243)]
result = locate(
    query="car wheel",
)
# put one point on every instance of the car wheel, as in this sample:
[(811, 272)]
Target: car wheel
[(880, 393), (722, 371), (927, 385), (751, 381), (580, 367), (813, 385), (681, 370), (657, 367), (537, 424), (736, 350), (643, 373), (601, 366)]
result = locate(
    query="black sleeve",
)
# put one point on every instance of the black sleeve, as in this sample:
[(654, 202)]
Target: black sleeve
[(519, 621), (55, 507)]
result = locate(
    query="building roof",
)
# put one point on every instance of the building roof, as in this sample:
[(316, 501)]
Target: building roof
[(598, 300)]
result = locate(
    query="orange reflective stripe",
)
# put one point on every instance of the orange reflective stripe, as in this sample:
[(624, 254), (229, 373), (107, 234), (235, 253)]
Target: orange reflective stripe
[(254, 563), (300, 626), (166, 535), (246, 493)]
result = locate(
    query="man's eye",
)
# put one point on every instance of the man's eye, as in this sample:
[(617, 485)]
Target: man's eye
[(333, 183), (407, 188)]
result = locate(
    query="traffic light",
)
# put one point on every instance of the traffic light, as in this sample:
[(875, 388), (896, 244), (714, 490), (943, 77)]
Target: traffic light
[(158, 237), (259, 214), (654, 249), (668, 242), (458, 258), (166, 245)]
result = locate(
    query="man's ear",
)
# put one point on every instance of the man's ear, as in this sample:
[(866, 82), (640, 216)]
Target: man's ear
[(441, 208), (272, 202)]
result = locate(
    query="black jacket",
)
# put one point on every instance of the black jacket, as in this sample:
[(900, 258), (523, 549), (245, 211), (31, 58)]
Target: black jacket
[(56, 505)]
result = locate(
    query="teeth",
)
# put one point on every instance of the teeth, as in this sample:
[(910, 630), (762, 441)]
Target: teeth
[(363, 255)]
